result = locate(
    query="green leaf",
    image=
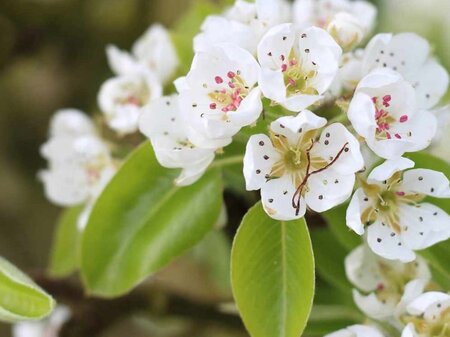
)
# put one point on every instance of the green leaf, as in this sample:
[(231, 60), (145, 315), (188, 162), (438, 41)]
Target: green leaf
[(20, 298), (329, 262), (335, 218), (64, 256), (142, 221), (272, 274)]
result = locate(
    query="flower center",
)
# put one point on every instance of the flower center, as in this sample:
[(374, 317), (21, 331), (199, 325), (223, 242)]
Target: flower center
[(387, 198), (298, 74), (439, 326), (230, 96), (384, 118), (297, 161), (133, 94)]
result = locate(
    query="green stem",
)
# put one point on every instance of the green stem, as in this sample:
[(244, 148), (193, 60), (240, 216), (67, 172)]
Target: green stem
[(228, 161)]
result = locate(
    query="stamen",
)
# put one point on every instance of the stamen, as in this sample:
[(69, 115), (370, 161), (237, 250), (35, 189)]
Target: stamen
[(218, 79)]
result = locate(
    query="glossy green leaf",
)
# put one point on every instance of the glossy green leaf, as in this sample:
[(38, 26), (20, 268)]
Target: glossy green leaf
[(64, 255), (142, 221), (20, 298), (329, 256), (272, 274)]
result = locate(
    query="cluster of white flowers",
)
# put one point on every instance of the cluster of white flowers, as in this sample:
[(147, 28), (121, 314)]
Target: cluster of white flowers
[(79, 162), (400, 296), (285, 63), (272, 53)]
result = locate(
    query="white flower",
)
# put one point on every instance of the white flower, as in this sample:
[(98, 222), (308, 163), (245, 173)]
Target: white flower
[(429, 315), (384, 111), (390, 204), (346, 30), (79, 162), (219, 95), (121, 99), (357, 331), (408, 54), (389, 285), (153, 51), (48, 327), (243, 24), (70, 123), (163, 124), (347, 21), (297, 67), (294, 169)]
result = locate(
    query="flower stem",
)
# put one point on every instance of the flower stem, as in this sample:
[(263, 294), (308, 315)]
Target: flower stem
[(228, 161)]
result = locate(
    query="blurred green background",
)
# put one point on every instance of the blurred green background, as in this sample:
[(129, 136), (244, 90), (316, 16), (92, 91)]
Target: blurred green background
[(52, 56)]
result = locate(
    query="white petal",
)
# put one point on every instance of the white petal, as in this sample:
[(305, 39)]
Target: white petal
[(361, 114), (383, 243), (412, 290), (425, 181), (356, 331), (423, 226), (272, 84), (332, 140), (67, 186), (293, 127), (299, 102), (409, 331), (361, 268), (423, 303), (431, 83), (276, 198), (70, 123), (249, 110), (258, 161), (373, 307), (121, 62), (191, 174), (216, 29), (388, 168), (358, 204), (328, 189), (404, 52), (155, 50), (278, 41)]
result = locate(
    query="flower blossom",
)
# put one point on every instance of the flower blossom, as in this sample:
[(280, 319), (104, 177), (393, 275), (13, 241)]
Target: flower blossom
[(357, 331), (294, 169), (297, 67), (391, 205), (428, 315), (243, 24), (349, 22), (388, 285), (219, 95), (122, 98), (409, 54), (153, 52), (384, 111), (163, 124), (79, 161)]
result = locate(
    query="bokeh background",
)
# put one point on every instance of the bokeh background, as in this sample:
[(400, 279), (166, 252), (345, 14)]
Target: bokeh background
[(52, 56)]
